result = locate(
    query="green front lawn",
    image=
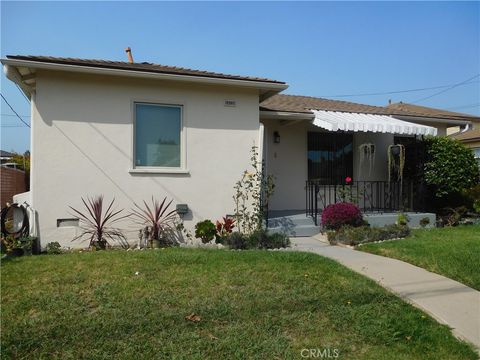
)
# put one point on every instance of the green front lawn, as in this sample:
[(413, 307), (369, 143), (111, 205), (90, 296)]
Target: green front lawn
[(453, 252), (251, 304)]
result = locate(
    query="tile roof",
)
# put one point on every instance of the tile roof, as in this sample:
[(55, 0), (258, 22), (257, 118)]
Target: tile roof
[(4, 153), (279, 102), (470, 135), (143, 66), (402, 108), (303, 104)]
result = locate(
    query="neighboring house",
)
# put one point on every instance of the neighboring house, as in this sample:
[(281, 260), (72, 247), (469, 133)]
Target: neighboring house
[(133, 130), (442, 119), (5, 157), (471, 139)]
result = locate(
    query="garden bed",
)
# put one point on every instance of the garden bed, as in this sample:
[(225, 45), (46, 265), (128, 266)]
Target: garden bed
[(348, 235)]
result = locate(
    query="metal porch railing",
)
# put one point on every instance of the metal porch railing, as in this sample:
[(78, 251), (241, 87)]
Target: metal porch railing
[(369, 196)]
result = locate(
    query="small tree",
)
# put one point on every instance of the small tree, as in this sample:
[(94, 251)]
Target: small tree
[(450, 166), (252, 193)]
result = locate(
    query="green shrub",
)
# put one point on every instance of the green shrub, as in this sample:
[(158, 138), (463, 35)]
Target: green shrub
[(402, 219), (347, 235), (274, 241), (259, 239), (358, 235), (476, 206), (17, 246), (394, 231), (237, 241), (451, 166), (472, 196), (452, 216), (54, 248), (205, 230)]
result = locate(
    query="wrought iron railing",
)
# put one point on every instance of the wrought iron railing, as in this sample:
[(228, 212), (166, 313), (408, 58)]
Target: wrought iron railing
[(370, 196)]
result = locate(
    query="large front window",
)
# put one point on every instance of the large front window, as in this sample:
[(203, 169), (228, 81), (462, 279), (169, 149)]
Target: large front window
[(330, 157), (158, 135)]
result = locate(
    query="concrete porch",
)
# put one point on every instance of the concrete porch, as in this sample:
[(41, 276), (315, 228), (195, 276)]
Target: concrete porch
[(296, 223)]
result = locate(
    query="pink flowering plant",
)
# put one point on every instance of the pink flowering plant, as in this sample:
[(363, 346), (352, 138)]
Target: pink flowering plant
[(337, 215), (348, 192)]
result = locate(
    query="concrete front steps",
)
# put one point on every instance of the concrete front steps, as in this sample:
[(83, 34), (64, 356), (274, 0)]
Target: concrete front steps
[(294, 223)]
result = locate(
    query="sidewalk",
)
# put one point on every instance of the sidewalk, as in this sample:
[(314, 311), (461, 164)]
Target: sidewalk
[(448, 301)]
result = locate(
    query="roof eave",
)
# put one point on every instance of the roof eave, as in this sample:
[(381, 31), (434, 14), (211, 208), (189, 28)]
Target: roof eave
[(12, 73), (466, 140), (285, 115), (265, 87)]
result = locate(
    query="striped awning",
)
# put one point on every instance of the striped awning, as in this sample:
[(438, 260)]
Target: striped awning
[(357, 122)]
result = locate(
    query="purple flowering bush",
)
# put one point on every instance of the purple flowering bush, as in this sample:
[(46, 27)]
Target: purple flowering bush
[(337, 215)]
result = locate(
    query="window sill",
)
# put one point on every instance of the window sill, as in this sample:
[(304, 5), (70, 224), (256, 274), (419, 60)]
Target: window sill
[(158, 171)]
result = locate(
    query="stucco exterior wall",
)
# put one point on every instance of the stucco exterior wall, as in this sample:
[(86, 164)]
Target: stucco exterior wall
[(472, 144), (475, 124), (287, 162), (82, 145), (379, 169), (441, 128)]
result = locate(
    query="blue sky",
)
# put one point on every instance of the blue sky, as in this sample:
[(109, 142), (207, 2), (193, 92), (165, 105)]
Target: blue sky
[(320, 49)]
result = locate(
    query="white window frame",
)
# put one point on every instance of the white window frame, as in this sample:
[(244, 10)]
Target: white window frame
[(182, 169), (476, 155), (476, 152)]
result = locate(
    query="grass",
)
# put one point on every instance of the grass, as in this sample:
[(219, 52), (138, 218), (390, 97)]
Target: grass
[(453, 252), (251, 304)]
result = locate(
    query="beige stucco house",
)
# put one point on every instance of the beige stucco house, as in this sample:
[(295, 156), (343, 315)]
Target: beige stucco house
[(471, 139), (133, 130)]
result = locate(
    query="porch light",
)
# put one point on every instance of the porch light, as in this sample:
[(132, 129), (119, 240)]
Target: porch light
[(276, 137)]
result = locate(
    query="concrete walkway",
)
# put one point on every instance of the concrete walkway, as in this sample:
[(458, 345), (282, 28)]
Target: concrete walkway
[(448, 301)]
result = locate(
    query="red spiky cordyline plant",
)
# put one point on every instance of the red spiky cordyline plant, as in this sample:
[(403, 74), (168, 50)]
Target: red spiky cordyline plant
[(96, 224), (157, 217), (226, 226)]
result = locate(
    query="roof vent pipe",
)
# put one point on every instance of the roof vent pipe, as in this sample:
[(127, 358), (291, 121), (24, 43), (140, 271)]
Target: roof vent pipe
[(129, 54)]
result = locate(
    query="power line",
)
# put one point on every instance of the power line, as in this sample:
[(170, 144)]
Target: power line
[(23, 116), (11, 108), (397, 91), (445, 90), (467, 106), (21, 91)]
